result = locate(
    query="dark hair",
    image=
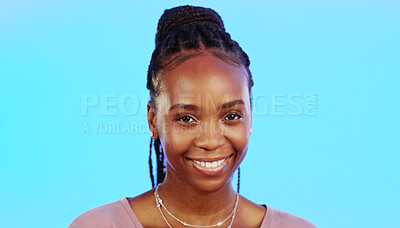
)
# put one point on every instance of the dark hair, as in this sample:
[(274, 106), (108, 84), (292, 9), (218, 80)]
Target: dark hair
[(184, 32)]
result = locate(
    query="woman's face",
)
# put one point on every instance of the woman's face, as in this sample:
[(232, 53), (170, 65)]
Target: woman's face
[(203, 120)]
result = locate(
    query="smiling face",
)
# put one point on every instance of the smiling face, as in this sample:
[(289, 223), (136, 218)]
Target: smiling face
[(203, 120)]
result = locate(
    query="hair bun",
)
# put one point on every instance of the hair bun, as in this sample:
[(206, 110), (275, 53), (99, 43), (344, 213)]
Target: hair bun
[(173, 19)]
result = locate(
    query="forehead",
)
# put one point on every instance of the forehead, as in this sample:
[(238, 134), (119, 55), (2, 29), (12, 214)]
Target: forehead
[(204, 78)]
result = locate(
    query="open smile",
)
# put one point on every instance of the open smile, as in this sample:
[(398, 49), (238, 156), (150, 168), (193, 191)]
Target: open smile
[(210, 167)]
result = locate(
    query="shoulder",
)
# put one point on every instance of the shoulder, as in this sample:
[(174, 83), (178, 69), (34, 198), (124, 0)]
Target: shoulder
[(145, 209), (278, 219), (107, 215), (249, 214)]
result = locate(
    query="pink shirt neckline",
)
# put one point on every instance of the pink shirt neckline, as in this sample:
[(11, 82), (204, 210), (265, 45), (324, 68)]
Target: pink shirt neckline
[(265, 223)]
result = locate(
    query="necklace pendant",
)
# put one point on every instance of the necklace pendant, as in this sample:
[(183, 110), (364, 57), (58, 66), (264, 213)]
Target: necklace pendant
[(219, 224), (184, 223)]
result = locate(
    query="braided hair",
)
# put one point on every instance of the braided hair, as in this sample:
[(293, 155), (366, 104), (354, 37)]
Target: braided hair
[(184, 32)]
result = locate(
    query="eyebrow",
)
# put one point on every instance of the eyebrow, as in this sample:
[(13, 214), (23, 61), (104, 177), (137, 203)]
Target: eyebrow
[(195, 108), (184, 106), (231, 103)]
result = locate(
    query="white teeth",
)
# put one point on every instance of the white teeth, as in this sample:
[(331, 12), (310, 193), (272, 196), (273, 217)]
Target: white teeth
[(210, 164)]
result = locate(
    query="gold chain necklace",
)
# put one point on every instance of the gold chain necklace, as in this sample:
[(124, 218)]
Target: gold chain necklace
[(161, 204)]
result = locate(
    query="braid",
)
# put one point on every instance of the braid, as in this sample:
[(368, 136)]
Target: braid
[(238, 184), (160, 161), (183, 32), (151, 164), (175, 18)]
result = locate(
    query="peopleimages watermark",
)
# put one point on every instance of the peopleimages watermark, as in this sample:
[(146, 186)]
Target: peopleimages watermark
[(277, 104), (285, 104), (106, 105)]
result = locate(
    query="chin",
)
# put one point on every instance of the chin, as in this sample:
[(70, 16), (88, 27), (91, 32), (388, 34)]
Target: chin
[(212, 185)]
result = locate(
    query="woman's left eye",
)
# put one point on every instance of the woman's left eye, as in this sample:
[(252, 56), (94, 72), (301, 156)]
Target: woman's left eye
[(233, 116)]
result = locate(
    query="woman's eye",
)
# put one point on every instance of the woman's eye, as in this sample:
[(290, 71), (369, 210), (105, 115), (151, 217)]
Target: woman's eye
[(186, 119), (233, 117)]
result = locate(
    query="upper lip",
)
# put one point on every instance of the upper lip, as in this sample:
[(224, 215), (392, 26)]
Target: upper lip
[(210, 159)]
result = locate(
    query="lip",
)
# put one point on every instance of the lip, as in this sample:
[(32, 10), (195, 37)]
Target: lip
[(210, 171), (209, 159)]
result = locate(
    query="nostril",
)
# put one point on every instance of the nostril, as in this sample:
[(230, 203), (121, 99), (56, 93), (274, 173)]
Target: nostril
[(211, 142)]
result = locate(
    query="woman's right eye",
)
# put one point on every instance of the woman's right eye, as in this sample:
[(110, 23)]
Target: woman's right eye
[(186, 119)]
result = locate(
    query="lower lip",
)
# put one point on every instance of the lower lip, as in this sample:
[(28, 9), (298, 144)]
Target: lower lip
[(210, 171)]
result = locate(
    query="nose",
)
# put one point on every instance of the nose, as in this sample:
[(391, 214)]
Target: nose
[(210, 137)]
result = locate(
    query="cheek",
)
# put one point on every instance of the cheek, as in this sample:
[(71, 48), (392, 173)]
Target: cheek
[(239, 137), (177, 142)]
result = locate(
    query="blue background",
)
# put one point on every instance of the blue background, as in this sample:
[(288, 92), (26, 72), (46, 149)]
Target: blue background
[(336, 165)]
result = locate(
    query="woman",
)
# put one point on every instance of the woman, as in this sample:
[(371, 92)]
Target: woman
[(200, 121)]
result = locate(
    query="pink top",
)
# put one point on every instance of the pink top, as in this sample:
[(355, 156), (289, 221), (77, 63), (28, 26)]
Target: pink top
[(119, 214)]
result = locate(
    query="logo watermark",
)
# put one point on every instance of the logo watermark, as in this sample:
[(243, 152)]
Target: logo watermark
[(107, 106)]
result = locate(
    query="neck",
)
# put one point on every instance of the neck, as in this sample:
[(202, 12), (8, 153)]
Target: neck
[(194, 205)]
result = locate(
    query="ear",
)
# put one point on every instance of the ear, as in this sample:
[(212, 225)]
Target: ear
[(251, 124), (152, 120)]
